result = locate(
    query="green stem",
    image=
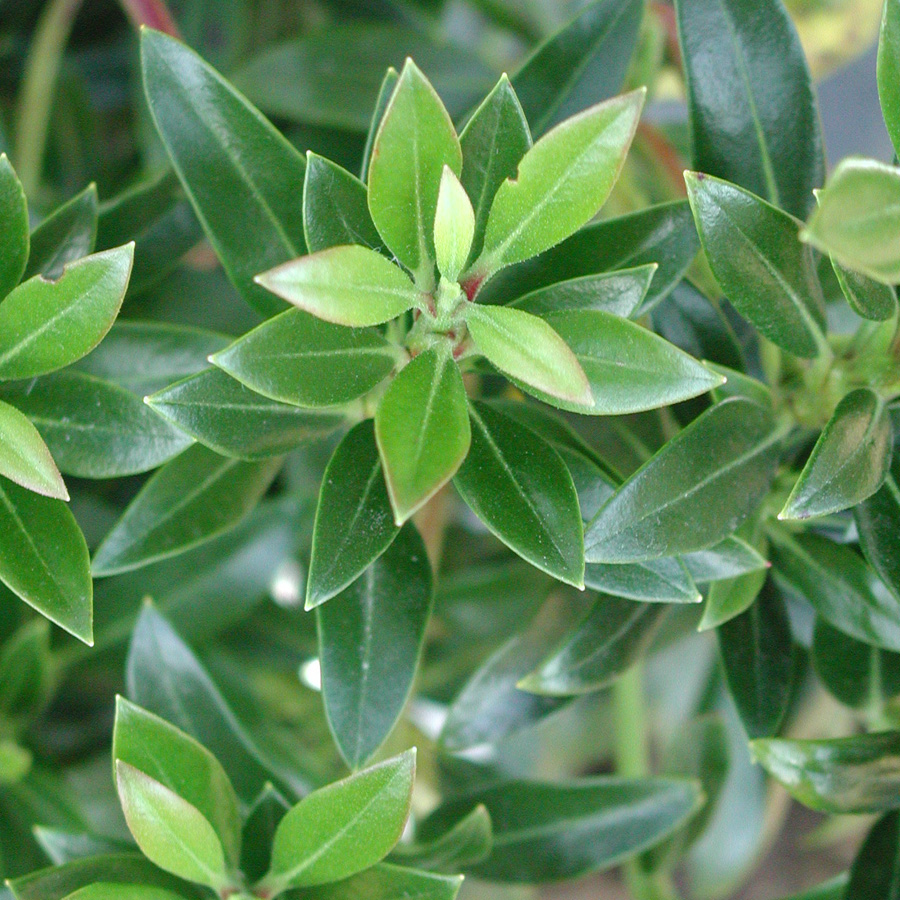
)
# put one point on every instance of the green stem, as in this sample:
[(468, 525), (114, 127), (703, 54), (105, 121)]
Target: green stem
[(39, 89)]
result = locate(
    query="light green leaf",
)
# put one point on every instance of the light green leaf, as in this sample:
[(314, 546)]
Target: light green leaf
[(386, 881), (665, 580), (889, 70), (14, 235), (24, 457), (727, 559), (103, 891), (454, 226)]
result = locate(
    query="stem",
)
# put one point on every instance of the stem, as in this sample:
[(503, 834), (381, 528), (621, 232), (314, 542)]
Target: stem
[(39, 89), (152, 13)]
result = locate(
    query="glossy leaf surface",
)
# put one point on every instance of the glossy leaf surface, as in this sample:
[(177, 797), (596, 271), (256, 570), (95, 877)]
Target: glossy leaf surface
[(24, 457), (14, 235), (876, 520), (386, 880), (66, 235), (665, 580)]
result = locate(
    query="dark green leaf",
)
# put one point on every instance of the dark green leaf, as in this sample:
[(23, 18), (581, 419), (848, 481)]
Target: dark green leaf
[(468, 842), (385, 92), (354, 521), (619, 293), (190, 500), (370, 641), (665, 580), (753, 112), (756, 255), (727, 559), (242, 177), (878, 522), (26, 672), (385, 881), (67, 234), (65, 846), (24, 457), (260, 825), (692, 493), (297, 358), (875, 874), (869, 298), (14, 230), (520, 488), (889, 71)]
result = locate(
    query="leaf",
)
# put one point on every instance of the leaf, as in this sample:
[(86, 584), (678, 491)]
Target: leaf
[(190, 500), (694, 492), (493, 143), (144, 357), (468, 842), (354, 522), (170, 831), (849, 461), (422, 429), (857, 220), (233, 420), (370, 640), (101, 891), (664, 235), (877, 522), (858, 674), (241, 176), (95, 429), (178, 762), (24, 457), (729, 558), (561, 183), (348, 285), (584, 63), (14, 237), (44, 559), (875, 874), (299, 359), (614, 636), (729, 598), (754, 118), (546, 832), (260, 824), (868, 298), (620, 293), (528, 350), (755, 253), (840, 586), (415, 140), (665, 580), (66, 235), (343, 828), (454, 226), (335, 207), (629, 369), (889, 70), (65, 846), (27, 679), (385, 92), (45, 325), (842, 775), (758, 657), (383, 881), (520, 488)]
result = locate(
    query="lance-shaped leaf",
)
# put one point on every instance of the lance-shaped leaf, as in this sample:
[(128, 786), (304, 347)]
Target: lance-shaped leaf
[(753, 112), (102, 891), (561, 183), (415, 140), (857, 220), (493, 143), (14, 234), (95, 429), (758, 657), (343, 828), (178, 762), (370, 640), (665, 580), (848, 463), (170, 831), (193, 498), (242, 176), (231, 419), (386, 880), (297, 358), (868, 298), (613, 636), (518, 485), (260, 825), (620, 293), (583, 63), (757, 257), (422, 429), (45, 325), (843, 775), (354, 522), (24, 457), (694, 492), (729, 598), (546, 832), (468, 842), (335, 207), (879, 535), (889, 70), (385, 92), (348, 285), (528, 350), (727, 559), (66, 235), (842, 589), (454, 226), (44, 558), (875, 874)]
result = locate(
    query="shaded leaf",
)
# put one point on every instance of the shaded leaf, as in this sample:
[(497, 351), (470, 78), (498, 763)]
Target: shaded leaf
[(14, 237), (66, 235)]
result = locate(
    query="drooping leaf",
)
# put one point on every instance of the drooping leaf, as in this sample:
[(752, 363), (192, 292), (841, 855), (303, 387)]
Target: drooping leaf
[(297, 358), (14, 236), (354, 522), (242, 177), (757, 257), (754, 118), (24, 457), (849, 461), (520, 488), (694, 492), (45, 325), (370, 640), (889, 70), (66, 235), (196, 496), (422, 429), (875, 874)]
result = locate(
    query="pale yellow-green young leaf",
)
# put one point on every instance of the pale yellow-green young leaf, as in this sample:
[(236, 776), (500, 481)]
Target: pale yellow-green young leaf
[(454, 226)]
